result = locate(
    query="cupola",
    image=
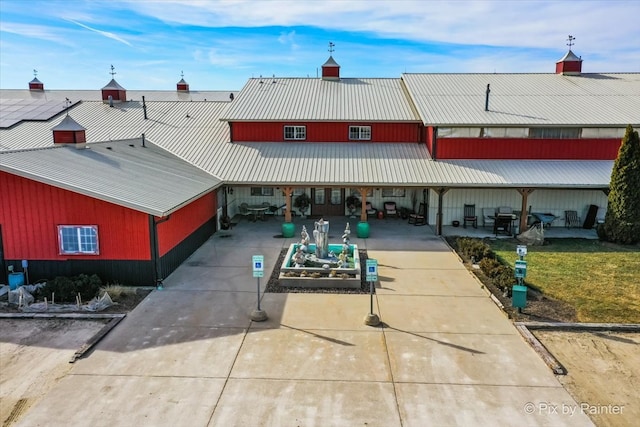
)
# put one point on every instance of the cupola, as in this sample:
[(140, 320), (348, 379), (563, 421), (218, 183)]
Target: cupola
[(182, 85), (113, 92), (570, 64), (331, 69), (68, 131), (36, 84)]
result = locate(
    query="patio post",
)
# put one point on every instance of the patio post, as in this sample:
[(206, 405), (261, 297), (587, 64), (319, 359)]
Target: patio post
[(363, 206), (524, 192), (441, 191)]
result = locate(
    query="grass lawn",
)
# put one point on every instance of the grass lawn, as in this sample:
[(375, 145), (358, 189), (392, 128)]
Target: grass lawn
[(601, 280)]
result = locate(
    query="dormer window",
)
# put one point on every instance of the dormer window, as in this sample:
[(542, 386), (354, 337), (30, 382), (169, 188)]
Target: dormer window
[(295, 132), (360, 133)]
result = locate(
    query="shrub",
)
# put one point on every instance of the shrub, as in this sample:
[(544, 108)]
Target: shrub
[(474, 248), (622, 221), (66, 288), (501, 275)]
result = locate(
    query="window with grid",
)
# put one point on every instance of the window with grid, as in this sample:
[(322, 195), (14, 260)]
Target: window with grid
[(262, 191), (78, 239), (295, 132), (360, 133)]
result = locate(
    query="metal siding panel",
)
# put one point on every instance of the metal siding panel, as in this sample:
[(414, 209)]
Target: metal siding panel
[(519, 148)]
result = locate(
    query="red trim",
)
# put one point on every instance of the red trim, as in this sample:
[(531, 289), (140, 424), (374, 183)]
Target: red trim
[(525, 148)]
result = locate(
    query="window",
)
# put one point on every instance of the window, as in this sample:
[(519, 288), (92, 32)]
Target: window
[(360, 132), (295, 132), (555, 133), (262, 191), (393, 192), (78, 239)]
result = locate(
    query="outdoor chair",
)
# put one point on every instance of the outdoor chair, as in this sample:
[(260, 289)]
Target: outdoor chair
[(390, 209), (470, 216), (244, 209), (571, 219), (419, 218), (371, 211), (488, 216), (271, 210)]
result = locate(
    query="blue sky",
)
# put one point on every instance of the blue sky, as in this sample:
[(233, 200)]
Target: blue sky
[(220, 44)]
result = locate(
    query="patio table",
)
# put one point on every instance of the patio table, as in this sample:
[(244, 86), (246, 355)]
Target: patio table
[(257, 211)]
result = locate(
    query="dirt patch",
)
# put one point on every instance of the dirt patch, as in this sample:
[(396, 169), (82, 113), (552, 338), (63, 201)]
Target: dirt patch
[(603, 372), (34, 356)]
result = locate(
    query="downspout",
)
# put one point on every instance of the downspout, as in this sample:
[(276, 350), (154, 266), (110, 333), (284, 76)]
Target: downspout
[(230, 131), (155, 250)]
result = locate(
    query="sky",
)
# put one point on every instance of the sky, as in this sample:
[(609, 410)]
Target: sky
[(218, 45)]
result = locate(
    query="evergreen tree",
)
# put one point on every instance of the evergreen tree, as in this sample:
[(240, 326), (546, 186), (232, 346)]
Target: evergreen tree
[(622, 222)]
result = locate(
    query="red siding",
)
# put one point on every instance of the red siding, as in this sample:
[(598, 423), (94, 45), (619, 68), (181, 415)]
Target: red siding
[(325, 131), (429, 141), (330, 71), (515, 148), (185, 221), (69, 136), (568, 67), (117, 95), (31, 211)]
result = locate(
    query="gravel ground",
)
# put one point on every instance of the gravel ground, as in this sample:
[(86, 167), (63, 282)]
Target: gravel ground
[(273, 285)]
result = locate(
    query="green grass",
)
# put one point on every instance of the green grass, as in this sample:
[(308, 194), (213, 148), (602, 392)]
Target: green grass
[(600, 280)]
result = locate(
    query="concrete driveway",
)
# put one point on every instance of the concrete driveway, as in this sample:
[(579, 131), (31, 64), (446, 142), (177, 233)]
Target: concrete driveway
[(189, 355)]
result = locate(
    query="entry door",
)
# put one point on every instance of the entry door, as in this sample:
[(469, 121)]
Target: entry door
[(327, 201)]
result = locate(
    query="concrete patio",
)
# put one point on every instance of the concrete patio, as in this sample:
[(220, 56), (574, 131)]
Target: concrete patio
[(189, 355)]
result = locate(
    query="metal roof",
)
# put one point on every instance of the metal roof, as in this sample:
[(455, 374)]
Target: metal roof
[(113, 84), (146, 179), (313, 99), (135, 95), (193, 132), (570, 57), (68, 124), (546, 100)]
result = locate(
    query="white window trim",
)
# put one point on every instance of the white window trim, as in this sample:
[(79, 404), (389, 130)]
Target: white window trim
[(78, 228), (299, 133), (364, 133)]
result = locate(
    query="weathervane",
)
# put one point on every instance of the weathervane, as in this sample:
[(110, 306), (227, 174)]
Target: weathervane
[(331, 48), (181, 74), (571, 43), (113, 73), (35, 73), (67, 104)]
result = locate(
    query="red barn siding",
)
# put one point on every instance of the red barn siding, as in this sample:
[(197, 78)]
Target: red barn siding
[(430, 138), (325, 131), (518, 148), (185, 221), (31, 211)]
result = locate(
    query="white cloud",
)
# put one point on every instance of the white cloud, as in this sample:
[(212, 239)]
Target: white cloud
[(599, 25), (34, 31), (102, 33), (288, 39)]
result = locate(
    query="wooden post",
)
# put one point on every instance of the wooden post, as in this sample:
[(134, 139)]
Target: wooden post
[(524, 192), (288, 191), (441, 191), (363, 207)]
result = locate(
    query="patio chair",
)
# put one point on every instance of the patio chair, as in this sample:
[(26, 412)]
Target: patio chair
[(419, 218), (571, 219), (244, 209), (390, 209), (470, 216), (371, 211), (488, 216)]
